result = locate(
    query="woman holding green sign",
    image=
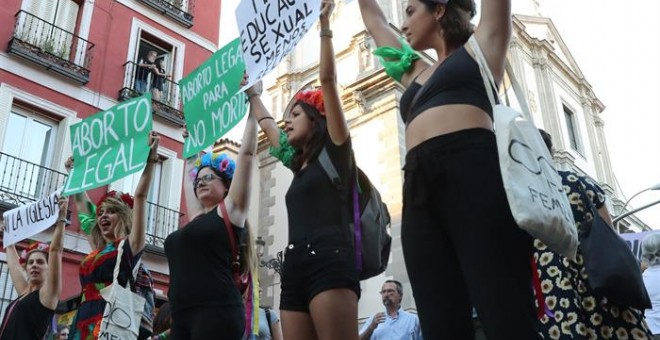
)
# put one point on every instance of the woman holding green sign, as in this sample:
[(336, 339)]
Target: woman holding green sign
[(115, 217), (210, 266), (320, 283)]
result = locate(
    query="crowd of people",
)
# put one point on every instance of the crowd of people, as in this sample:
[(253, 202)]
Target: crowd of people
[(453, 202)]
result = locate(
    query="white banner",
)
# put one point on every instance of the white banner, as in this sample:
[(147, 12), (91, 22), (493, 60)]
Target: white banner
[(31, 219), (269, 30), (634, 240)]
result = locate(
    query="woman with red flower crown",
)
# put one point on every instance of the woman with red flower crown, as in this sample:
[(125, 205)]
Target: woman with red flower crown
[(116, 216), (320, 282), (37, 278)]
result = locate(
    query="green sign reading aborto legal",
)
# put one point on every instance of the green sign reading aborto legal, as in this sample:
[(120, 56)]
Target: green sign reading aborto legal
[(211, 104), (110, 145)]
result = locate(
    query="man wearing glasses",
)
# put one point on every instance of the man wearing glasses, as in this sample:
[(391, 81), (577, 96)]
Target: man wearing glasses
[(395, 323)]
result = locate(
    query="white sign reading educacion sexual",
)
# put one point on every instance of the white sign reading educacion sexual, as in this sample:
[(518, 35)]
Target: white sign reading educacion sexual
[(30, 219), (270, 29)]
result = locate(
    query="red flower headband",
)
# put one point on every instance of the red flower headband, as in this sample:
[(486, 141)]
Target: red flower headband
[(126, 198), (313, 98), (37, 246)]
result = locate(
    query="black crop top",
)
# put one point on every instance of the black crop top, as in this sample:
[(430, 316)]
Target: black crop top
[(456, 81)]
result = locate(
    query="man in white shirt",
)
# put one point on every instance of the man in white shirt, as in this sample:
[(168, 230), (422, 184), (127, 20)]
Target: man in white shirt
[(395, 324)]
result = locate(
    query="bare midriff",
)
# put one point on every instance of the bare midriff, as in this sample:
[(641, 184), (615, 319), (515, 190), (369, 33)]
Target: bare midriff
[(445, 119)]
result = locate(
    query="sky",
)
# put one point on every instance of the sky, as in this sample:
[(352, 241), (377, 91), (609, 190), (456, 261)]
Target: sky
[(617, 47)]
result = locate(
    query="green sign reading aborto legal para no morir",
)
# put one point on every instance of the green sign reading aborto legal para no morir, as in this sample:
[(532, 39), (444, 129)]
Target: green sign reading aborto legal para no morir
[(110, 145)]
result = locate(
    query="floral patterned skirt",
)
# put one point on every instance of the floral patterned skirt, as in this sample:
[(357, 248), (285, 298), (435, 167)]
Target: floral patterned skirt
[(580, 313)]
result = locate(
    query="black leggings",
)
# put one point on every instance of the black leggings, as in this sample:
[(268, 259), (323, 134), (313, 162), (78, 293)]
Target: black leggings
[(208, 323), (461, 244)]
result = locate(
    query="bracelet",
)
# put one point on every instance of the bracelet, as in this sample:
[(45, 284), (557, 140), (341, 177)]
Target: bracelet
[(326, 32), (65, 221), (262, 118)]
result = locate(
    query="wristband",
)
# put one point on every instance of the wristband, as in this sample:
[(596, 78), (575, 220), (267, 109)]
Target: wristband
[(326, 32), (65, 221), (262, 118)]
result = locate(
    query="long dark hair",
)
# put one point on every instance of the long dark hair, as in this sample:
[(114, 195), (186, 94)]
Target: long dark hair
[(314, 145), (455, 22)]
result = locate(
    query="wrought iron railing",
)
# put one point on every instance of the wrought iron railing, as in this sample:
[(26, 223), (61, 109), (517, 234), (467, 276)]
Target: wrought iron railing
[(52, 47), (161, 221), (164, 92), (179, 10), (22, 182)]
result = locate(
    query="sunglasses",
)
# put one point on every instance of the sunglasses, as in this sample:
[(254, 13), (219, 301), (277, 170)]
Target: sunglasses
[(206, 179)]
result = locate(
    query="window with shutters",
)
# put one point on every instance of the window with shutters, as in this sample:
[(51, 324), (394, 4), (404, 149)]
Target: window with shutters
[(53, 25), (26, 152), (45, 33)]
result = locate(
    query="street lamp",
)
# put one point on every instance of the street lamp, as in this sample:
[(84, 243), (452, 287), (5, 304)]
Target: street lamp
[(274, 263), (623, 214), (655, 187)]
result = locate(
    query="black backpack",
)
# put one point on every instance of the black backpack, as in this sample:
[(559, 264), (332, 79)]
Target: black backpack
[(373, 222)]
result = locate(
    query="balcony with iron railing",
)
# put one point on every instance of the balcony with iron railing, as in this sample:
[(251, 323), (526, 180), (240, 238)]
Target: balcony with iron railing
[(52, 47), (23, 182), (164, 92), (161, 222), (179, 10)]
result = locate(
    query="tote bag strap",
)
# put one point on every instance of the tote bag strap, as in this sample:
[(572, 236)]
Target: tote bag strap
[(120, 253), (489, 80)]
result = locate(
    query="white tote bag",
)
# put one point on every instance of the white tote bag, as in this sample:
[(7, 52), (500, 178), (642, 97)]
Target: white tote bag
[(533, 187), (123, 310)]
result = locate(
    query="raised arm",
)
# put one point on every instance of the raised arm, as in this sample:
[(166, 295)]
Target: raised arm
[(261, 115), (494, 34), (138, 230), (239, 191), (49, 294), (84, 206), (15, 269), (379, 29), (337, 126), (377, 25)]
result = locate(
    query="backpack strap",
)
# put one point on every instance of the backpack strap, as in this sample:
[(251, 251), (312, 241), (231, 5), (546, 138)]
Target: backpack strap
[(270, 327), (331, 171)]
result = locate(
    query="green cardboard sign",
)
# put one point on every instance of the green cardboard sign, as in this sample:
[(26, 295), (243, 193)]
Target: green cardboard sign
[(211, 104), (110, 145)]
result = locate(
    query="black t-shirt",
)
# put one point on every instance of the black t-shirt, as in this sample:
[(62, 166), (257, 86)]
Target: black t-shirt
[(199, 257), (142, 72), (28, 319), (314, 205)]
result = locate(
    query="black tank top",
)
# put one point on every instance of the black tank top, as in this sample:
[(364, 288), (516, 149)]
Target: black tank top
[(456, 81), (199, 258), (28, 319)]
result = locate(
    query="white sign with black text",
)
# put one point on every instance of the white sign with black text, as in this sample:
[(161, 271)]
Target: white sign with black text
[(270, 29), (28, 220)]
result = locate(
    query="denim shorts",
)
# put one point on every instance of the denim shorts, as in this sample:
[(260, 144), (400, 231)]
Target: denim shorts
[(310, 268)]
